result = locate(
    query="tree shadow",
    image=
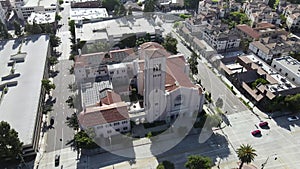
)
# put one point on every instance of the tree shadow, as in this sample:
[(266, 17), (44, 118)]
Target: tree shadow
[(282, 121), (214, 147)]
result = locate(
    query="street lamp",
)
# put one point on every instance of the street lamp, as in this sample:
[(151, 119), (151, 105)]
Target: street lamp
[(264, 164)]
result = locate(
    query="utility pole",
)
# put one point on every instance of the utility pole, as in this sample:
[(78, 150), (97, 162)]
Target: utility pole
[(264, 164)]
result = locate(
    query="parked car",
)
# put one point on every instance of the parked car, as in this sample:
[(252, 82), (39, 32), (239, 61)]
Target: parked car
[(263, 124), (255, 132), (293, 118), (52, 121), (56, 160)]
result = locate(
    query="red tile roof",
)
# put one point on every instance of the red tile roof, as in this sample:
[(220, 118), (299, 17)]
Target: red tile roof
[(94, 116), (175, 76), (248, 30), (114, 56), (264, 25)]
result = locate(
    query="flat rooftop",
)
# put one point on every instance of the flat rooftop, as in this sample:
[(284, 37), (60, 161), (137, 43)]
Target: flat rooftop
[(88, 13), (282, 82), (41, 18), (115, 28), (20, 104), (289, 63), (45, 3)]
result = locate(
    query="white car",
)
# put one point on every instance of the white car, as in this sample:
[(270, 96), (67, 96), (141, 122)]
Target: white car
[(293, 118)]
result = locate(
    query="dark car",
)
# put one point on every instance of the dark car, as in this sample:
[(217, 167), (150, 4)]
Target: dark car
[(52, 121), (56, 160), (255, 132), (263, 124)]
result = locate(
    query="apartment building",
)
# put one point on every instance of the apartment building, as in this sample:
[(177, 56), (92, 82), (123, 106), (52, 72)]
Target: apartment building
[(221, 38), (259, 11), (272, 47)]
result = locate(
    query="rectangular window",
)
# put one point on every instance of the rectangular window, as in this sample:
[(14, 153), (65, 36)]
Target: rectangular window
[(118, 130), (116, 124), (125, 128), (124, 122)]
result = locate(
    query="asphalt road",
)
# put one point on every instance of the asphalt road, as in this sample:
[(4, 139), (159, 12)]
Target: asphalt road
[(60, 109), (61, 134), (212, 83)]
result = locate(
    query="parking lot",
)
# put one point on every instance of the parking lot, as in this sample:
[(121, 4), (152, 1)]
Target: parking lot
[(281, 140)]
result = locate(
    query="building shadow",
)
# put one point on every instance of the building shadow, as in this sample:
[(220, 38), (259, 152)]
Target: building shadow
[(112, 150)]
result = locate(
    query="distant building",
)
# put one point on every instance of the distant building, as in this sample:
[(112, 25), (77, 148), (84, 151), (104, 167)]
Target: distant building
[(246, 32), (269, 48), (259, 11), (262, 30), (88, 14), (86, 4), (41, 18), (288, 67), (244, 70), (113, 31), (24, 10), (221, 38), (292, 14), (23, 65), (214, 7)]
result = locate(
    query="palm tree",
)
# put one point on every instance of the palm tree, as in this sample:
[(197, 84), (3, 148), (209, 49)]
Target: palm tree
[(246, 154)]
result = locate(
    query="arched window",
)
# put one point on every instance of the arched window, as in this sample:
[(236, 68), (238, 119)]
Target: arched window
[(178, 100)]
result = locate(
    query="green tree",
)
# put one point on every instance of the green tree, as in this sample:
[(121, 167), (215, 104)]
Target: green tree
[(36, 29), (259, 81), (293, 102), (10, 145), (47, 28), (57, 17), (197, 162), (52, 60), (82, 140), (110, 4), (246, 154), (72, 29), (18, 29), (150, 5), (193, 63), (72, 121), (54, 40), (165, 165), (170, 44), (60, 2), (70, 101), (48, 86)]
